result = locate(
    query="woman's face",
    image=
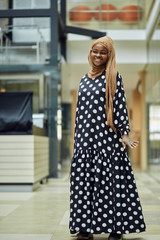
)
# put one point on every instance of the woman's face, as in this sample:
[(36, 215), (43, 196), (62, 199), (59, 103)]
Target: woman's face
[(99, 55)]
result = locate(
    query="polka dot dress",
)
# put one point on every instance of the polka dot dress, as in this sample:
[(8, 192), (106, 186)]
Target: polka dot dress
[(104, 196)]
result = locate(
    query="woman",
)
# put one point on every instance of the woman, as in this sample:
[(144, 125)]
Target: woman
[(104, 197)]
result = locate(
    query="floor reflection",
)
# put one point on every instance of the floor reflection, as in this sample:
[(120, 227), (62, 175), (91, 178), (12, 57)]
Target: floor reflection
[(44, 214)]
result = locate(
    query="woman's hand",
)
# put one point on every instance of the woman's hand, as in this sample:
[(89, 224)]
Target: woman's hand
[(129, 142)]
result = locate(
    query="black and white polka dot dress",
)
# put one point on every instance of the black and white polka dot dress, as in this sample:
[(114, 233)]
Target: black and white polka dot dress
[(104, 196)]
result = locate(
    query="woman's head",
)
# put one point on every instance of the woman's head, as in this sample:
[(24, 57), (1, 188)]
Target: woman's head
[(102, 57), (99, 55), (102, 47)]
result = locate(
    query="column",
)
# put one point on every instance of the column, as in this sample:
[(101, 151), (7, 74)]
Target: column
[(143, 143)]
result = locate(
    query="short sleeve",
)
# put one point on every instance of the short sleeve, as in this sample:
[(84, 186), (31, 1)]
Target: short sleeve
[(120, 112)]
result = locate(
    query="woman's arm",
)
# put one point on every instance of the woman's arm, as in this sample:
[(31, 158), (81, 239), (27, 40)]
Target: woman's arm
[(120, 112), (121, 121)]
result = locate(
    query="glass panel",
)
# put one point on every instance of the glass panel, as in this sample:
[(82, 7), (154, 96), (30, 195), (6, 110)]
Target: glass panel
[(41, 3), (24, 44), (149, 6), (36, 84), (116, 14), (23, 85), (153, 96), (154, 134), (29, 4), (42, 22), (39, 22), (3, 5), (22, 21), (19, 4)]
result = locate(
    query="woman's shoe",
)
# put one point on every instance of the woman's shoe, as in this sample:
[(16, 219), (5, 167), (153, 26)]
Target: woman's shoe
[(84, 236), (114, 236)]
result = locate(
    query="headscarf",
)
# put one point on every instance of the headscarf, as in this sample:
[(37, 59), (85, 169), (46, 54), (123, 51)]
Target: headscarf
[(111, 75)]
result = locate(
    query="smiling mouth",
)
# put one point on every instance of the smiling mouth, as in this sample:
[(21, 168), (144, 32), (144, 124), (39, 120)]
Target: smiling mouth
[(97, 59)]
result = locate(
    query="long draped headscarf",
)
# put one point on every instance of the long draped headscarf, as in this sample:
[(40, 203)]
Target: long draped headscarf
[(111, 74)]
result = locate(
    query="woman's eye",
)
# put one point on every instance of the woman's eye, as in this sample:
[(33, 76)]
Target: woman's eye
[(95, 52)]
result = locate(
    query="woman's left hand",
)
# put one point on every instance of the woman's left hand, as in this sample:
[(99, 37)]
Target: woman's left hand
[(129, 142)]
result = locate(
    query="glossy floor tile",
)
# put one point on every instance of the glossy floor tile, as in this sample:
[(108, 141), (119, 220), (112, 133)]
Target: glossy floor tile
[(25, 236), (64, 220), (44, 214), (16, 196), (6, 209)]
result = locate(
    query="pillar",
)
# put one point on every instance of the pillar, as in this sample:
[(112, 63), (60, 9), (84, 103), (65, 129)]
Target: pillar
[(136, 125), (143, 142)]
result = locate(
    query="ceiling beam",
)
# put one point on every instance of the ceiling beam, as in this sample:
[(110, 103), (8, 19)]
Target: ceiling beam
[(21, 13), (85, 32)]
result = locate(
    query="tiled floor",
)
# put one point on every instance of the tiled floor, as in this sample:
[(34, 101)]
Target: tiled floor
[(44, 214)]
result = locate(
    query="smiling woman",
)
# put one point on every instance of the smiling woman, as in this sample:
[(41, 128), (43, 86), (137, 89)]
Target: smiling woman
[(104, 197)]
